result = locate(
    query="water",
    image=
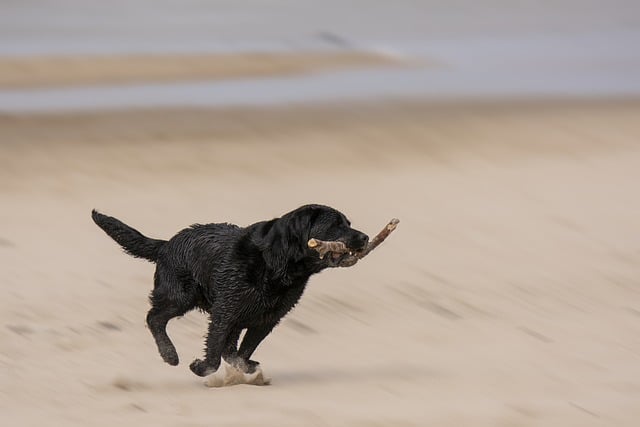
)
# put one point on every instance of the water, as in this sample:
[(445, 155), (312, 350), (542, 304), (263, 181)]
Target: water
[(521, 49)]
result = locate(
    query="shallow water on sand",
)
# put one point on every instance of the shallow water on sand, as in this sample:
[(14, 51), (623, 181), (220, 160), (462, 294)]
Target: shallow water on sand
[(456, 51)]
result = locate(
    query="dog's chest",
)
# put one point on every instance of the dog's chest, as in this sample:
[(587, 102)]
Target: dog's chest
[(273, 307)]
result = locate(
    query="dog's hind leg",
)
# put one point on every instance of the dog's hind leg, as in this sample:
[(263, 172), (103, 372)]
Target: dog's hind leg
[(169, 299), (157, 320), (217, 342)]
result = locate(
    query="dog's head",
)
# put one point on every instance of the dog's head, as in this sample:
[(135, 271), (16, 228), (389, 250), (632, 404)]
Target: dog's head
[(290, 233), (331, 225)]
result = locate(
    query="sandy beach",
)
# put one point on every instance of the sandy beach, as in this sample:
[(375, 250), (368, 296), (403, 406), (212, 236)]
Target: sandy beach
[(505, 136), (508, 296)]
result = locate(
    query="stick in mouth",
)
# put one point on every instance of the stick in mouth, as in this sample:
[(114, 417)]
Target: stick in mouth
[(335, 247)]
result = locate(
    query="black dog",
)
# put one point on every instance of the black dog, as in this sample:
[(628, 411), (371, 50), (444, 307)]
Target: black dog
[(245, 278)]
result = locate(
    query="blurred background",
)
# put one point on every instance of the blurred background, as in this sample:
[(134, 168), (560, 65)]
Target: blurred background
[(504, 135)]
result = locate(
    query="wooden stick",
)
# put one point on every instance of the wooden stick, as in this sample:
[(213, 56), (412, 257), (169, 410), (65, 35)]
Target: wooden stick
[(380, 237), (324, 247)]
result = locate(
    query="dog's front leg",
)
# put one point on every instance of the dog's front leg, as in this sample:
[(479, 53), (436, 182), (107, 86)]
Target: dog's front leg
[(250, 342), (230, 351), (216, 340)]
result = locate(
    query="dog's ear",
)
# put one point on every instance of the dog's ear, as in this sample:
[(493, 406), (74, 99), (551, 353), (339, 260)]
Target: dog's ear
[(286, 242)]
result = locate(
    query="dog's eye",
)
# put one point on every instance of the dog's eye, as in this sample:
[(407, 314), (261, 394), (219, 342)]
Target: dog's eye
[(340, 223)]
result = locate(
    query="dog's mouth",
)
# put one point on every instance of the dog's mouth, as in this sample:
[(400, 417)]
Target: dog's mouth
[(334, 258), (337, 258), (336, 253)]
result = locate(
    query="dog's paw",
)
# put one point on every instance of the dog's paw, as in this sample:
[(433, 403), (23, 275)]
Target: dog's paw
[(201, 368), (251, 366), (170, 356), (246, 366)]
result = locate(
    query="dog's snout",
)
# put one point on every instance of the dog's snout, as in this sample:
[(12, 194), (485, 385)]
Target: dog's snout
[(361, 240)]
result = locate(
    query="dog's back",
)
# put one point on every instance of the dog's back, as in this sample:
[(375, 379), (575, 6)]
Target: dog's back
[(206, 252)]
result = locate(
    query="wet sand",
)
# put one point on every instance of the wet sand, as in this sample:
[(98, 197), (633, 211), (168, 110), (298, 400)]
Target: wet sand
[(509, 294), (50, 71)]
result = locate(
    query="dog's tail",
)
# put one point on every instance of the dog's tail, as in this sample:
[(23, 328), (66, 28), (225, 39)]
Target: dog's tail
[(133, 242)]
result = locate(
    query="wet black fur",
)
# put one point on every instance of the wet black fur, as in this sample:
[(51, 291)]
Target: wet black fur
[(244, 277)]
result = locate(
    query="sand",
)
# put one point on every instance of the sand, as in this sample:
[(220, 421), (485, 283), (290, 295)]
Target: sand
[(509, 295), (72, 70), (228, 375)]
